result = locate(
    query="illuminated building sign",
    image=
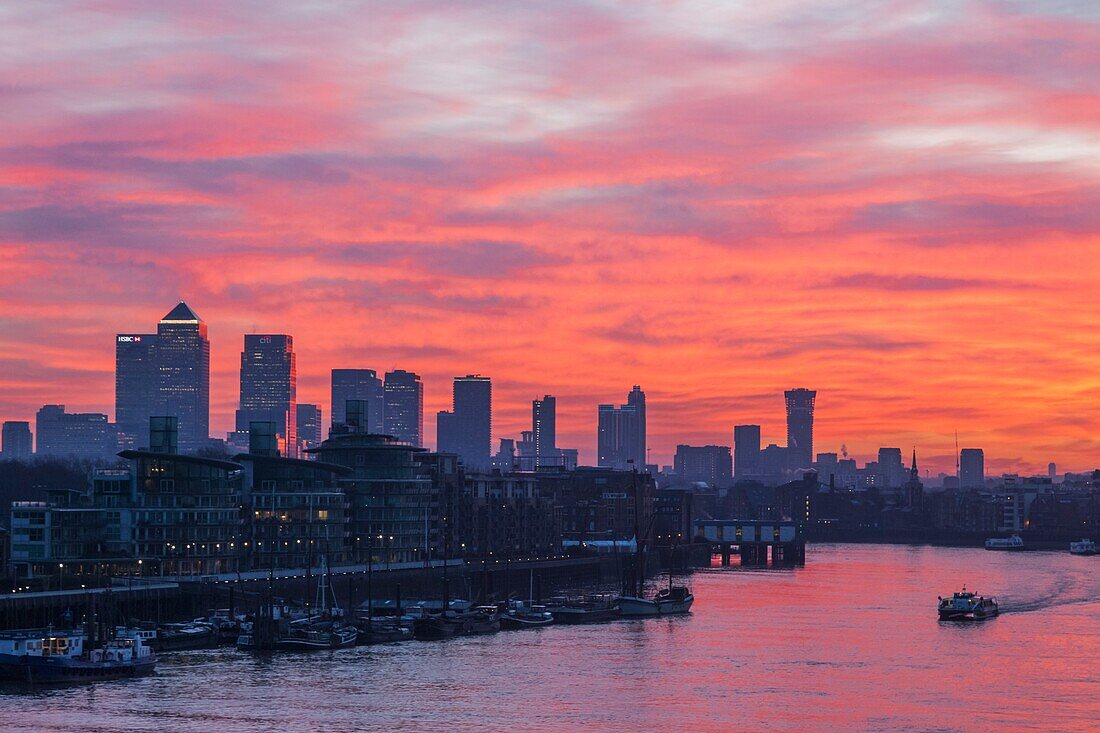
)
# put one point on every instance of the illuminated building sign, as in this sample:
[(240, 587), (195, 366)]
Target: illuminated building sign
[(129, 339)]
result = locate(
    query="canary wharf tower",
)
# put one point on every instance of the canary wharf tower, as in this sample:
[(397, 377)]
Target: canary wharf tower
[(183, 375)]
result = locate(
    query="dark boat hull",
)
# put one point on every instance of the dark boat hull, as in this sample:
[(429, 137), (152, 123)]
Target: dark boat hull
[(584, 616), (514, 622), (61, 671)]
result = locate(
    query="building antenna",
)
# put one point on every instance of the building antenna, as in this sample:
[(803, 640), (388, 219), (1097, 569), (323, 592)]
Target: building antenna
[(956, 452)]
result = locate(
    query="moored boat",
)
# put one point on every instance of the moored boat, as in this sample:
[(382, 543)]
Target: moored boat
[(965, 604), (46, 657), (525, 615), (583, 610), (1015, 543), (307, 634), (1082, 547)]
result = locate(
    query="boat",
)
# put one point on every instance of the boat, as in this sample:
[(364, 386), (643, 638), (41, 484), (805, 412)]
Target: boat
[(185, 636), (666, 602), (633, 602), (965, 604), (583, 610), (1082, 547), (1015, 543), (316, 633), (48, 657), (444, 625), (381, 631), (525, 615)]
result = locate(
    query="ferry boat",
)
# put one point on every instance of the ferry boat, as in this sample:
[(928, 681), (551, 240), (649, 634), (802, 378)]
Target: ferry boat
[(1010, 544), (1082, 547), (966, 605), (48, 657)]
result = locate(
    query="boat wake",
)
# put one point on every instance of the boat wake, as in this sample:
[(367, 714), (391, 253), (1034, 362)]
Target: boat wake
[(1066, 593)]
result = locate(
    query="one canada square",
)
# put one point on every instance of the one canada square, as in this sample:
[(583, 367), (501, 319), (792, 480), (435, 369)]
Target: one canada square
[(166, 373)]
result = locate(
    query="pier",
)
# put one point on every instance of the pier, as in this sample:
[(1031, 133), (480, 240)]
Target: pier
[(756, 541)]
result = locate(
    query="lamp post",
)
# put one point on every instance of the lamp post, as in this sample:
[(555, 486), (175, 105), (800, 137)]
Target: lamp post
[(61, 576)]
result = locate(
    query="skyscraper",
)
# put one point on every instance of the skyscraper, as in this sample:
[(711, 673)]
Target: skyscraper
[(183, 381), (359, 384), (79, 434), (800, 427), (310, 425), (16, 440), (891, 468), (136, 386), (621, 434), (269, 387), (746, 450), (404, 410), (544, 427), (711, 464), (971, 468), (467, 430)]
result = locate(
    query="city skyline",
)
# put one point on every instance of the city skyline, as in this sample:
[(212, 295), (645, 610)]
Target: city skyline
[(352, 376), (894, 208)]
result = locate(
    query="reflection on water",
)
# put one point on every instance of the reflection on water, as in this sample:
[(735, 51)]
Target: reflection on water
[(849, 642)]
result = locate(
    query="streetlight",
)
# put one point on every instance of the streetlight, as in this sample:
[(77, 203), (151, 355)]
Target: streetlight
[(61, 576)]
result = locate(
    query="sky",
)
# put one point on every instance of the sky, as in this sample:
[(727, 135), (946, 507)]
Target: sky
[(894, 203)]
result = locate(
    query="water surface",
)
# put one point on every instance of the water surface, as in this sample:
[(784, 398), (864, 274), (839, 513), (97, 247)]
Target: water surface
[(848, 642)]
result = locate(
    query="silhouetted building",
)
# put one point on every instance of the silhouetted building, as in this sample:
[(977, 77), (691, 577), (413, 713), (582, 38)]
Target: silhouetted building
[(467, 429), (269, 387), (775, 463), (891, 468), (359, 384), (746, 450), (800, 426), (294, 509), (596, 506), (971, 468), (673, 520), (79, 435), (397, 503), (16, 442), (544, 429), (183, 367), (404, 410), (711, 464), (310, 426), (137, 386), (621, 436)]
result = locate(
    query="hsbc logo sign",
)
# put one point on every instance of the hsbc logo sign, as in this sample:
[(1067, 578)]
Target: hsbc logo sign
[(129, 339)]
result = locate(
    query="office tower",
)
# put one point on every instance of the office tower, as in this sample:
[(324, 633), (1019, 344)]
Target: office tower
[(544, 428), (183, 383), (136, 386), (16, 440), (800, 427), (467, 429), (269, 387), (1052, 472), (404, 407), (891, 468), (79, 435), (709, 464), (971, 468), (359, 384), (746, 450), (310, 430), (621, 433)]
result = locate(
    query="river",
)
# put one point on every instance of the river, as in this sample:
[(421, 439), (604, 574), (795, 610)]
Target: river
[(850, 641)]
